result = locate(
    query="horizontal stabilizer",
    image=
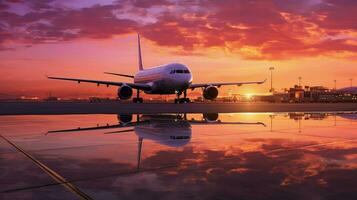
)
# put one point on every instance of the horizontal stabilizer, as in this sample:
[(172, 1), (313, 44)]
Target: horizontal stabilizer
[(124, 75)]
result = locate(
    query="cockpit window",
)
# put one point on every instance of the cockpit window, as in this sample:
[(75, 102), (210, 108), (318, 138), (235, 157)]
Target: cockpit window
[(179, 71), (180, 137)]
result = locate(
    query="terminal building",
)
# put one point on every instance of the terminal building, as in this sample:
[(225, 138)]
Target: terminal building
[(300, 94)]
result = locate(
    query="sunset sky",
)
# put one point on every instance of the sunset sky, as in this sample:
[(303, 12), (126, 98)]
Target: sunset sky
[(220, 40)]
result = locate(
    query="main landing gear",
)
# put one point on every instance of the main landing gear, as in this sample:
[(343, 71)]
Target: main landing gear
[(184, 99), (137, 99)]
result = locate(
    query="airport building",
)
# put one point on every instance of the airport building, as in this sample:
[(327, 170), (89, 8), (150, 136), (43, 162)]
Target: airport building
[(306, 94)]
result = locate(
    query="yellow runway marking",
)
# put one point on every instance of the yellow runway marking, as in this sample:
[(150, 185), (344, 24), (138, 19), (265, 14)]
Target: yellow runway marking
[(55, 176)]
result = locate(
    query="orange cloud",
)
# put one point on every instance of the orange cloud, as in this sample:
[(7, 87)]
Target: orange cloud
[(274, 29)]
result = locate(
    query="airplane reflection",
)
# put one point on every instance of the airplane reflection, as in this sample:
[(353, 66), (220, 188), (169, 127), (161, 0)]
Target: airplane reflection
[(173, 130), (350, 116)]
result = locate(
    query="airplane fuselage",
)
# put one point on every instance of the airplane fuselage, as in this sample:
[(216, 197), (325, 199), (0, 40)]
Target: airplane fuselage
[(166, 79), (166, 131)]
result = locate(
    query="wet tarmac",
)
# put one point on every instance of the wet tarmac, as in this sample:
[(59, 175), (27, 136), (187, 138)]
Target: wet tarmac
[(179, 156), (114, 107)]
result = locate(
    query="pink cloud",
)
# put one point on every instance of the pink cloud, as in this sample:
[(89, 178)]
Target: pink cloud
[(277, 29)]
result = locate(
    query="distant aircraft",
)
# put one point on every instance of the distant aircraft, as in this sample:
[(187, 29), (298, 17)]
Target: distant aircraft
[(173, 130), (173, 78)]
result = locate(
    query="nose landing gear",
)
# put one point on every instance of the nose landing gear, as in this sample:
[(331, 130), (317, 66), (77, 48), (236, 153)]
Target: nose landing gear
[(182, 100), (137, 99)]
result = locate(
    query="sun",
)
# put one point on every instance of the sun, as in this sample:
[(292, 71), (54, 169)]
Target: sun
[(248, 95)]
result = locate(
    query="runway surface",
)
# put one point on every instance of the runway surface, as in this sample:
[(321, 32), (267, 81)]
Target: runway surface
[(34, 108), (256, 156)]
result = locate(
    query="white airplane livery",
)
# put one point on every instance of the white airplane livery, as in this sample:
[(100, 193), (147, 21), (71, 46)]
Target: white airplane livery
[(173, 78)]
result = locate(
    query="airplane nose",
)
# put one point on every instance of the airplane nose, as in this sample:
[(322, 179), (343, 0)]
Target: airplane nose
[(189, 78)]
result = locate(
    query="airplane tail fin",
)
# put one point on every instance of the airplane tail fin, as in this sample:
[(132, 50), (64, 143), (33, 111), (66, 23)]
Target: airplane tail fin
[(140, 59)]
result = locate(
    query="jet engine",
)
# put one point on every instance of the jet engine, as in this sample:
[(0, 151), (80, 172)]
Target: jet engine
[(125, 92), (210, 117), (210, 92), (125, 118)]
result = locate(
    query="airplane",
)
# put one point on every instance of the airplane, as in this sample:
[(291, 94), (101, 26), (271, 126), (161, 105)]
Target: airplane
[(173, 78), (172, 130)]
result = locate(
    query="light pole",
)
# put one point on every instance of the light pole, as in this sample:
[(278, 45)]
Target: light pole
[(300, 80), (335, 84), (351, 79), (271, 79), (271, 122)]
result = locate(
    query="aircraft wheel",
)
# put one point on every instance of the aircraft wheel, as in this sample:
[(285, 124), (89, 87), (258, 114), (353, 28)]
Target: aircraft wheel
[(138, 100), (183, 100)]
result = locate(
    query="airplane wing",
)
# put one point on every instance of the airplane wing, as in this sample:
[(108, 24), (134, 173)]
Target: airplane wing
[(87, 128), (139, 86), (120, 125), (116, 74), (224, 123), (200, 85), (121, 131)]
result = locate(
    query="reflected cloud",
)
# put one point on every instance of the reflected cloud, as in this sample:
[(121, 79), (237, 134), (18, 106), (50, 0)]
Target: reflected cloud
[(173, 130), (171, 165)]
